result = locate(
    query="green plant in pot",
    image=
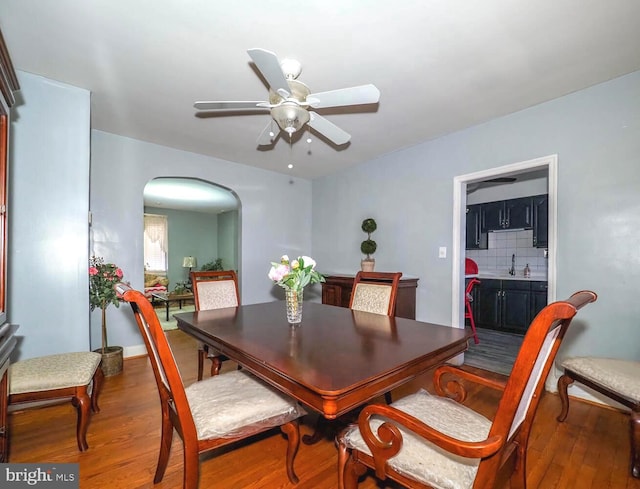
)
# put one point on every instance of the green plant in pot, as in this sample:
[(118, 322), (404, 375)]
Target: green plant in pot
[(368, 246), (102, 279)]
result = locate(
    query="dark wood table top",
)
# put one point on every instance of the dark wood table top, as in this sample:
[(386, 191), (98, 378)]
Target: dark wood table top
[(335, 360)]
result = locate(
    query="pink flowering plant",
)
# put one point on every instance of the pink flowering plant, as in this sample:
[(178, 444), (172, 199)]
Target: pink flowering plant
[(102, 279), (295, 274)]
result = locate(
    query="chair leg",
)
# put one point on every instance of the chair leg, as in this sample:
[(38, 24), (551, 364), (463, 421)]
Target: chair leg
[(634, 429), (472, 321), (216, 365), (292, 432), (202, 354), (82, 402), (351, 472), (98, 380), (563, 385), (191, 467), (165, 445)]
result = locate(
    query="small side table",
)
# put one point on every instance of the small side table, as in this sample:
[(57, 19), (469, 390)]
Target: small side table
[(167, 298)]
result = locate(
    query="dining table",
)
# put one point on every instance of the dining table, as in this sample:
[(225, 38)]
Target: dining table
[(335, 360)]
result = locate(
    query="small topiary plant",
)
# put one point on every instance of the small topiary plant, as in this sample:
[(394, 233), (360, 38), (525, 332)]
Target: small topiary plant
[(369, 246)]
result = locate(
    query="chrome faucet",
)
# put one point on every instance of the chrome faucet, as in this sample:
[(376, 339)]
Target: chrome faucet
[(512, 270)]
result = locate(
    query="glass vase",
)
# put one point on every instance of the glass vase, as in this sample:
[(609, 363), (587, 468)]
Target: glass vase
[(293, 300)]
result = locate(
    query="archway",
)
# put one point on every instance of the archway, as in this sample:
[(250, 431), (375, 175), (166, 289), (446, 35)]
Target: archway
[(202, 222)]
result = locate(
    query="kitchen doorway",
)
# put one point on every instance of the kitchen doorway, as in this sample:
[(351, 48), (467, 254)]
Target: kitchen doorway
[(540, 166)]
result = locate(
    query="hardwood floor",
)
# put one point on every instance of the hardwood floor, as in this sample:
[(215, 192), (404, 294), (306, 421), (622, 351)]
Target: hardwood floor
[(589, 450)]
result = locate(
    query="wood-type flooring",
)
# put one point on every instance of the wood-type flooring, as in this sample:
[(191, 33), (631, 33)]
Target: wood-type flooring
[(590, 450)]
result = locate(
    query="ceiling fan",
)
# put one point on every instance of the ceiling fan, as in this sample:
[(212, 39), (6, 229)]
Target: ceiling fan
[(291, 103)]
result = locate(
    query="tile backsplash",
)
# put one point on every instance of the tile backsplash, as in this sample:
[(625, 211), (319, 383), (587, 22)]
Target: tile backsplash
[(506, 243)]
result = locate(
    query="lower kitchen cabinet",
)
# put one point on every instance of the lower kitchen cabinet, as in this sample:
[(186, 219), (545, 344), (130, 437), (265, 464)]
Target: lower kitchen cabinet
[(507, 305)]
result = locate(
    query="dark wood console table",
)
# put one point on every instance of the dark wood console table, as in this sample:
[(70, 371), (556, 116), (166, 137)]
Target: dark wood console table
[(336, 291)]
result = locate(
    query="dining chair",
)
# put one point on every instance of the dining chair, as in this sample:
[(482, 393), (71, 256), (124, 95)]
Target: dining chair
[(435, 441), (468, 314), (211, 413), (375, 292), (213, 290), (615, 378)]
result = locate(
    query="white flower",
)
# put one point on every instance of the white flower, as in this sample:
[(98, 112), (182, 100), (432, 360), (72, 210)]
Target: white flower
[(284, 259), (309, 261)]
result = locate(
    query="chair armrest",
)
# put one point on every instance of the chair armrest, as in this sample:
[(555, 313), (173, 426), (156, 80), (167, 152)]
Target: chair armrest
[(454, 389), (388, 441)]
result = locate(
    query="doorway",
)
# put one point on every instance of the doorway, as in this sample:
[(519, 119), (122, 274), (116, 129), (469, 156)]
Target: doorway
[(545, 165), (203, 225)]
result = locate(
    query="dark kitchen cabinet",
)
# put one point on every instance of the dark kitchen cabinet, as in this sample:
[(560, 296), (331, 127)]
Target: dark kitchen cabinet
[(540, 204), (538, 297), (506, 214), (508, 305), (336, 291), (475, 239)]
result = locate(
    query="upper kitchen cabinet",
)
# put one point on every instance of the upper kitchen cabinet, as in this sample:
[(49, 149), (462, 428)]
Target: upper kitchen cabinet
[(507, 214), (475, 239), (540, 205)]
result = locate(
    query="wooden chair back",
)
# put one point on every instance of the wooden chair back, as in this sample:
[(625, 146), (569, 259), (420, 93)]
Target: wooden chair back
[(215, 289), (173, 398), (375, 292)]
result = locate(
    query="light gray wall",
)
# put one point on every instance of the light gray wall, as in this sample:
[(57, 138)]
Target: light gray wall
[(121, 167), (596, 135), (48, 283), (228, 239)]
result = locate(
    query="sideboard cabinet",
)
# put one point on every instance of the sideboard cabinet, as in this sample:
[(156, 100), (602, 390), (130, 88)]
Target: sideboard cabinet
[(336, 291)]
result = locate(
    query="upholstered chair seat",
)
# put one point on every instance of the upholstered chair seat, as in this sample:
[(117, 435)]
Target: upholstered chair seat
[(421, 460), (621, 376), (242, 404), (59, 376)]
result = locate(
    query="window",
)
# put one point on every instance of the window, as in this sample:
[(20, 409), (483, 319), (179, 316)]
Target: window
[(155, 243)]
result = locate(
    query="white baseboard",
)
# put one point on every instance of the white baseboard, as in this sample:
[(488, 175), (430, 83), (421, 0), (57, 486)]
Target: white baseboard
[(134, 351)]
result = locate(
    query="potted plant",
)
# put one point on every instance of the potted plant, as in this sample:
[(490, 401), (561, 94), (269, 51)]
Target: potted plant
[(213, 265), (102, 279), (368, 246)]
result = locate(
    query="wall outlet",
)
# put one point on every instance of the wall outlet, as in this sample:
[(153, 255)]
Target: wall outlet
[(442, 252)]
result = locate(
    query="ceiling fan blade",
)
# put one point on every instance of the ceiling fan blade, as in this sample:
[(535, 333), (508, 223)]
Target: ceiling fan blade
[(268, 64), (266, 138), (328, 129), (363, 94), (230, 105)]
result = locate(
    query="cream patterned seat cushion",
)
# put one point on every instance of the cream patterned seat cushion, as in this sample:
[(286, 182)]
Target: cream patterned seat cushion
[(236, 403), (53, 372), (423, 461), (621, 376), (372, 298)]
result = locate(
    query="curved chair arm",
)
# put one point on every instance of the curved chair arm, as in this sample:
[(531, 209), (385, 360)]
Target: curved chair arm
[(389, 440), (454, 389)]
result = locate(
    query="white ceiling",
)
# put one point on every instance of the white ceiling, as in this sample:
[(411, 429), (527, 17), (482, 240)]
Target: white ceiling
[(440, 65)]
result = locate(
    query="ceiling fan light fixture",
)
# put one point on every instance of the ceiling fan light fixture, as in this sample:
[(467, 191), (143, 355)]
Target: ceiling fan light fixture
[(290, 117)]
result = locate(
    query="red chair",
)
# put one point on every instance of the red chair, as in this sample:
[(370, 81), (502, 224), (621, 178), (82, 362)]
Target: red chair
[(470, 267), (468, 311)]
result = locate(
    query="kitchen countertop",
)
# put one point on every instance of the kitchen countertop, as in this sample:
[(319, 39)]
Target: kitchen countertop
[(498, 275)]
